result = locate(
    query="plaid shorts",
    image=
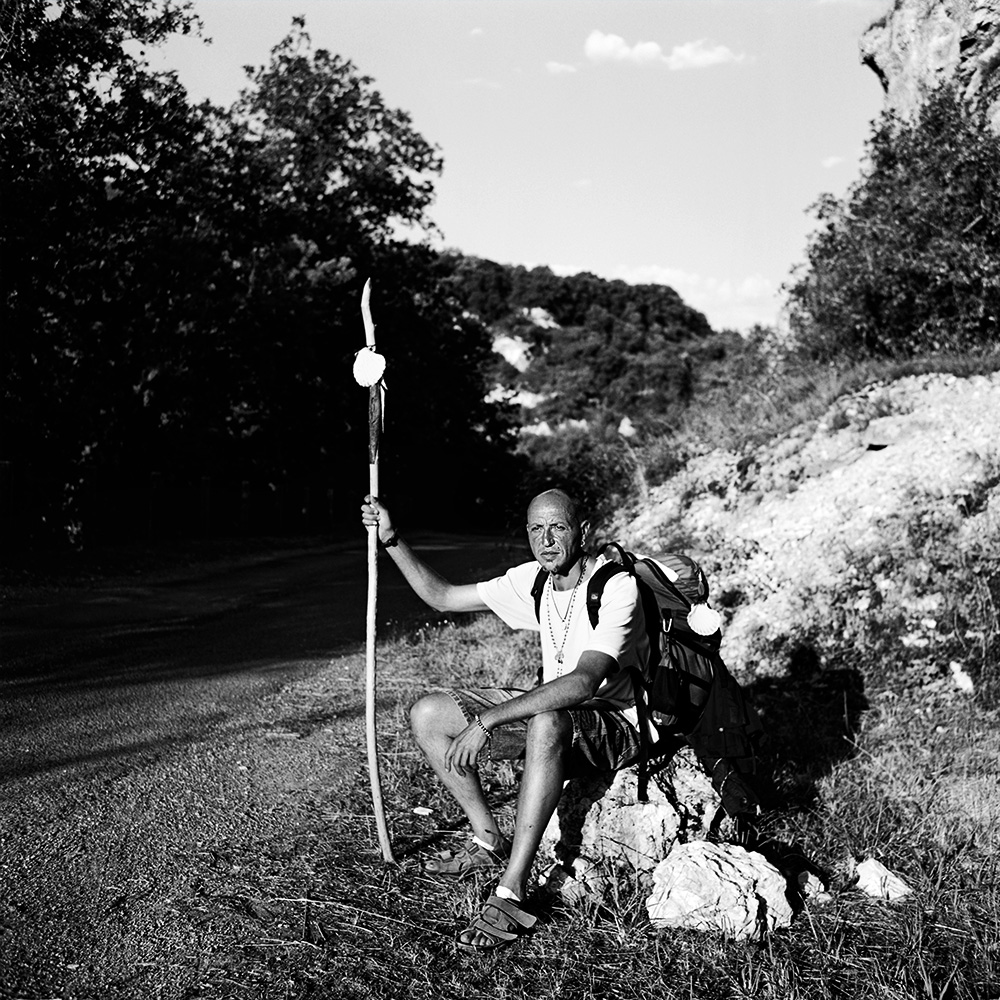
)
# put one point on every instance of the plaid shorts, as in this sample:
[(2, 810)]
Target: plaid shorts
[(603, 739)]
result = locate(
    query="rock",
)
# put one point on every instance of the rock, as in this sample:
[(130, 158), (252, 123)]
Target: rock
[(920, 44), (783, 551), (876, 880), (718, 887), (577, 883), (962, 680), (601, 828), (812, 887)]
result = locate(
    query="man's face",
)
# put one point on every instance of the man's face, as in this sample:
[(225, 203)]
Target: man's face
[(554, 534)]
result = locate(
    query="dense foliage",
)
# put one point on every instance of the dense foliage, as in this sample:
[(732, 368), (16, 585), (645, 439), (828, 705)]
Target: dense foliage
[(605, 367), (91, 146), (909, 261), (497, 291), (595, 346), (180, 287)]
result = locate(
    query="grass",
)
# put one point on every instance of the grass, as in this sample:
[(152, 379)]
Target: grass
[(758, 405), (318, 914)]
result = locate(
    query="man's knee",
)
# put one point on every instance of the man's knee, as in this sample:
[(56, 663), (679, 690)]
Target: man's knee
[(551, 730), (433, 713)]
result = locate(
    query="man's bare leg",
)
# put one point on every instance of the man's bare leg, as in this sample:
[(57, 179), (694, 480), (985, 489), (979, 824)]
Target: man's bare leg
[(435, 721), (548, 741), (546, 749)]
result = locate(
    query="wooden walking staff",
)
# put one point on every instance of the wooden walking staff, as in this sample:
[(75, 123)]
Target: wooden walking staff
[(369, 368)]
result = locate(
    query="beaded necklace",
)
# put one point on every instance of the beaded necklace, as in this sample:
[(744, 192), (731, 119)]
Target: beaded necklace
[(550, 607)]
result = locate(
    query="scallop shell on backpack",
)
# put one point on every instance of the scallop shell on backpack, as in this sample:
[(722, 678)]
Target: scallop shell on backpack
[(704, 620)]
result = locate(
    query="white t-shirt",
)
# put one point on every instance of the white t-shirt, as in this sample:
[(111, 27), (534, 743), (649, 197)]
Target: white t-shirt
[(565, 626)]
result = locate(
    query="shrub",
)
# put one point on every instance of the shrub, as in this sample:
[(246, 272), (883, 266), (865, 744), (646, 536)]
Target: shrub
[(909, 261)]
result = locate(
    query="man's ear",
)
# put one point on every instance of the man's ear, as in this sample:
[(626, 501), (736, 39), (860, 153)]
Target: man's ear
[(584, 532)]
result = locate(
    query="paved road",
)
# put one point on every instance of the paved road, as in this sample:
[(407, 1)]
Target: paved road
[(133, 716), (104, 674)]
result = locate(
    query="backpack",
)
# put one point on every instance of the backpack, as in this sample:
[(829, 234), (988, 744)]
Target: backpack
[(690, 696)]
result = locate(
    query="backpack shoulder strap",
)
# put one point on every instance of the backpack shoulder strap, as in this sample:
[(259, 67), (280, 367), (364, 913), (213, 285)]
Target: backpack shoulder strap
[(536, 592), (619, 561), (595, 588)]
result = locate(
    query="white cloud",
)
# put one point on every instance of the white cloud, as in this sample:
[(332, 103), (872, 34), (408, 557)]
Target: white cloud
[(476, 32), (600, 47), (697, 55), (583, 183), (557, 68), (831, 161)]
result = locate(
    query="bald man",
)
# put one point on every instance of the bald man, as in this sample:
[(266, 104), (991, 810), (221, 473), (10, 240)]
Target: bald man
[(579, 720)]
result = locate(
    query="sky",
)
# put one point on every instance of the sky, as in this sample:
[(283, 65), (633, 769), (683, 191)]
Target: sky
[(672, 141)]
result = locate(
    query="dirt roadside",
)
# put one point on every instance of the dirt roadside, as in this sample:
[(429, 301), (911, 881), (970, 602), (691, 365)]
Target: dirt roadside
[(145, 884), (176, 753), (114, 838)]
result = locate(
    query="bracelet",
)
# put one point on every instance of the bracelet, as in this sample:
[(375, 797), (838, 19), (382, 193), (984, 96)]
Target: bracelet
[(393, 540), (479, 722)]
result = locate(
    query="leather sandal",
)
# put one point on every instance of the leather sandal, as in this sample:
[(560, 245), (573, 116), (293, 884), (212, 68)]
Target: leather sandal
[(500, 922), (478, 854)]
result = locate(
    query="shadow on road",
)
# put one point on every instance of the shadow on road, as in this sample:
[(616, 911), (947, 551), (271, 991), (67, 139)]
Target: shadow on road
[(122, 672), (285, 611)]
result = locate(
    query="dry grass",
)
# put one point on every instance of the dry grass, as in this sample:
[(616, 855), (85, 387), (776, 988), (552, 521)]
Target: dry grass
[(318, 914), (756, 406)]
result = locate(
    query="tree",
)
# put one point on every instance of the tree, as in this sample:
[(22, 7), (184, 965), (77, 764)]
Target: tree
[(909, 261), (180, 284), (85, 132), (341, 162), (340, 173)]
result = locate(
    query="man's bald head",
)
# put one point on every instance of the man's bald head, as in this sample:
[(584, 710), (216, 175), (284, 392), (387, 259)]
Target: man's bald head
[(558, 499)]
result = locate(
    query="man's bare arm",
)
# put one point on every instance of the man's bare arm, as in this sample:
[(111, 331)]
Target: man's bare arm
[(568, 691), (427, 583)]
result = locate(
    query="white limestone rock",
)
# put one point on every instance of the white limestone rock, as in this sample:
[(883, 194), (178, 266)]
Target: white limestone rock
[(604, 824), (576, 883), (718, 887), (812, 887), (920, 44), (783, 551), (876, 880)]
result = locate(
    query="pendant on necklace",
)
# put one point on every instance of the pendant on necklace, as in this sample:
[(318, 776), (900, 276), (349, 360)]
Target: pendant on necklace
[(559, 656)]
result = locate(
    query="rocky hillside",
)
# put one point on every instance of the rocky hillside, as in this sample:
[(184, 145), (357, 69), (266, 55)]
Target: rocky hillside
[(921, 44), (874, 531)]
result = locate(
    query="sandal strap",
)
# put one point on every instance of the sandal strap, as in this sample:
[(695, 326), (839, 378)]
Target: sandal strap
[(512, 911), (483, 926), (501, 921), (474, 855)]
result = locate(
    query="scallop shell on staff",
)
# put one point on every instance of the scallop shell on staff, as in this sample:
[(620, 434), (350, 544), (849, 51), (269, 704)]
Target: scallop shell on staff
[(369, 367)]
